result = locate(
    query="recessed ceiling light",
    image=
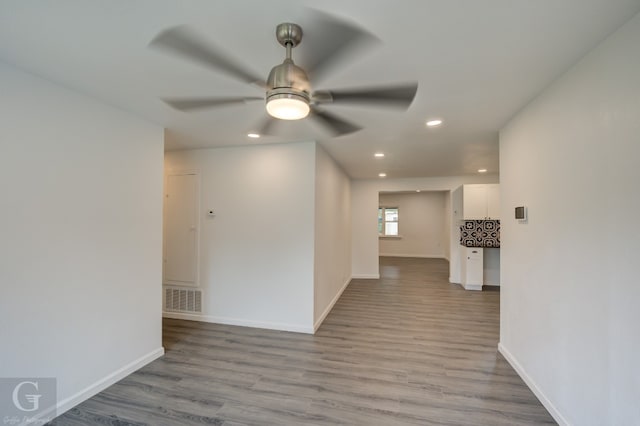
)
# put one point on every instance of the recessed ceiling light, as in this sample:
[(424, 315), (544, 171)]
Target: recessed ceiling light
[(417, 190), (379, 154), (253, 135), (433, 123), (382, 174), (482, 170)]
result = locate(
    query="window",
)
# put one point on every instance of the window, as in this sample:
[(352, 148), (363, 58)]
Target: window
[(388, 221)]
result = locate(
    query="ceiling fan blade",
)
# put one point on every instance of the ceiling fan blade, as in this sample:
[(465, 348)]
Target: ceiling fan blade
[(182, 42), (399, 96), (266, 126), (190, 104), (337, 126), (329, 41)]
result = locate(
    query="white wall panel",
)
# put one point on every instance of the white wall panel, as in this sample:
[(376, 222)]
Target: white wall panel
[(422, 225), (257, 252), (332, 257), (570, 288), (81, 238)]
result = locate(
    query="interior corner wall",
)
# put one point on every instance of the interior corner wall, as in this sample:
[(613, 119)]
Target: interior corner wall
[(364, 229), (81, 245), (455, 255), (569, 314), (422, 224), (332, 258), (447, 225), (364, 213), (257, 254)]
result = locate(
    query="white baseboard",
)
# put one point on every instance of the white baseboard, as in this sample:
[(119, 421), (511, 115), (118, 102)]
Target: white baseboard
[(240, 322), (475, 287), (533, 386), (97, 387), (324, 314), (365, 276), (421, 256)]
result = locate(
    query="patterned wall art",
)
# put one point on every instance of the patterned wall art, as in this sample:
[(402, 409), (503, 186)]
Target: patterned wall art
[(480, 233)]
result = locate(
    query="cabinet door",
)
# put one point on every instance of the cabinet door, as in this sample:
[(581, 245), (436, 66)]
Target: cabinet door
[(474, 202), (493, 201)]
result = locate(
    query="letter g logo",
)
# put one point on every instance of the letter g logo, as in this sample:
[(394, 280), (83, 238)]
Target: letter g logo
[(34, 399)]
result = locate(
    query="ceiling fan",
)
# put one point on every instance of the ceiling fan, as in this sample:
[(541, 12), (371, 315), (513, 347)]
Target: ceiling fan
[(288, 92)]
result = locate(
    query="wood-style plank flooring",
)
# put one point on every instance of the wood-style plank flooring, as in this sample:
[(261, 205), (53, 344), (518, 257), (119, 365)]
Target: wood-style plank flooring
[(407, 349)]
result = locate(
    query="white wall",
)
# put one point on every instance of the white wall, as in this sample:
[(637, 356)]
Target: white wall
[(455, 254), (332, 269), (422, 224), (81, 227), (364, 213), (257, 254), (569, 307), (448, 217)]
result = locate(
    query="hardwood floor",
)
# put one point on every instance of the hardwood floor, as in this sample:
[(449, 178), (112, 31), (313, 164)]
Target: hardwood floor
[(407, 349)]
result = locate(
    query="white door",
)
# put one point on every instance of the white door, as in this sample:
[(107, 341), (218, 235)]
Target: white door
[(181, 230)]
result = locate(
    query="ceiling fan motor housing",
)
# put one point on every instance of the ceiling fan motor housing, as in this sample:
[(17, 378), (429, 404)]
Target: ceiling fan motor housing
[(288, 80)]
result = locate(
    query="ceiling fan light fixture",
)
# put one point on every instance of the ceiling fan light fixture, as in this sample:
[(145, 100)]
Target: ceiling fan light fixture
[(288, 106)]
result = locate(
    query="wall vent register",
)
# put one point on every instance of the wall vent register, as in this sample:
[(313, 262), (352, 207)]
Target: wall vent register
[(182, 300)]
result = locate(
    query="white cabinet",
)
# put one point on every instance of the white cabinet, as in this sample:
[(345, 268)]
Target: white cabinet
[(472, 268), (481, 201), (474, 201)]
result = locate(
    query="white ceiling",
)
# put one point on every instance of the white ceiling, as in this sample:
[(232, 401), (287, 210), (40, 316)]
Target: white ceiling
[(477, 63)]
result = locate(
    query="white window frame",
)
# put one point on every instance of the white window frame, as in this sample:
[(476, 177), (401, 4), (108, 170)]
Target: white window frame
[(384, 222)]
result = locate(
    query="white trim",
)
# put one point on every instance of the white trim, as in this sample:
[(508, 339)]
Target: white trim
[(422, 256), (181, 284), (476, 287), (97, 387), (239, 322), (533, 386), (365, 276), (324, 314)]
